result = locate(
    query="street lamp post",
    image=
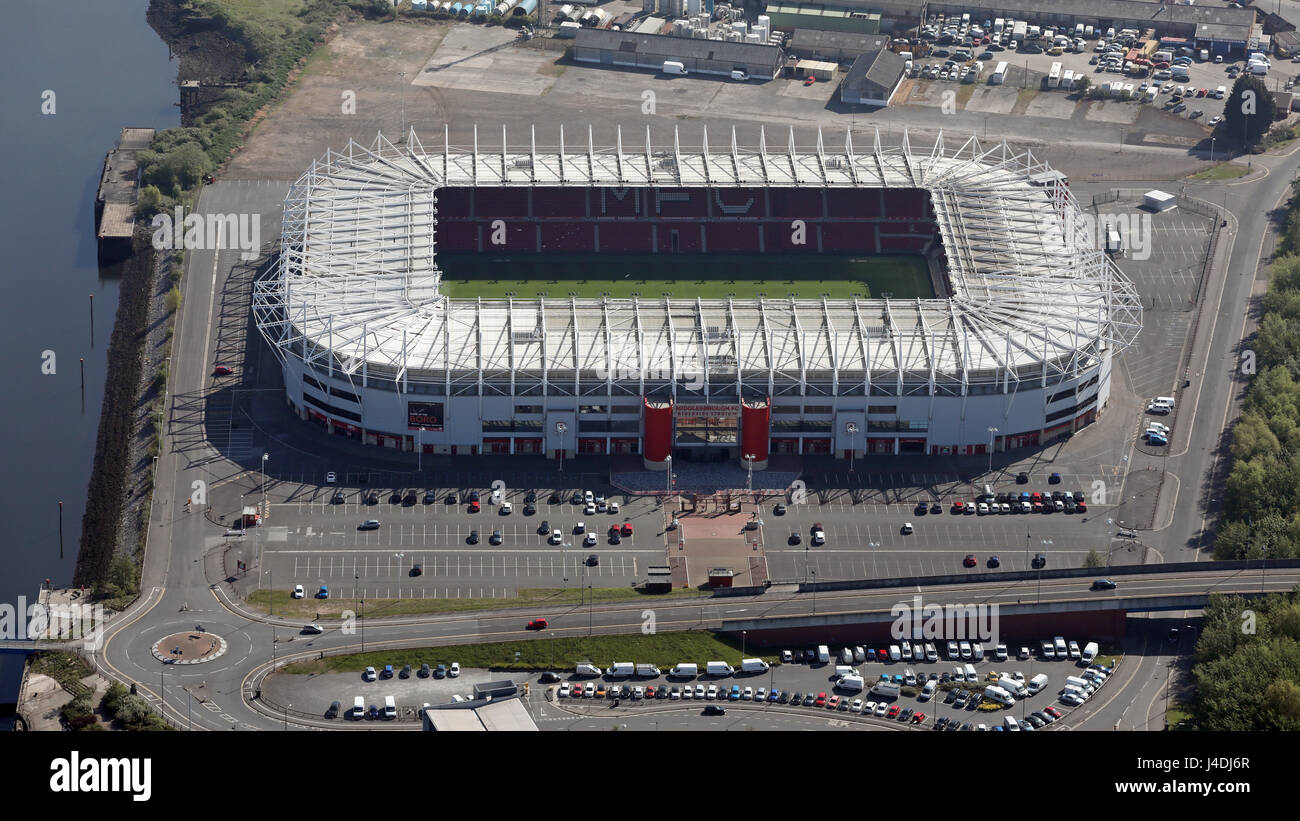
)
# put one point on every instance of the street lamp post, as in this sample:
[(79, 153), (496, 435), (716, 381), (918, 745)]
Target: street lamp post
[(814, 591), (265, 456), (668, 480), (564, 563), (852, 429), (419, 449), (749, 477), (742, 643), (873, 546), (1046, 543), (1211, 149), (993, 432), (560, 428)]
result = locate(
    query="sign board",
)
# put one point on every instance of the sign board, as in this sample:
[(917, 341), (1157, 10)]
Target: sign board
[(427, 415)]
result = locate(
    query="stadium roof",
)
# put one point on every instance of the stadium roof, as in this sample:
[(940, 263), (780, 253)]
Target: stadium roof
[(1031, 296)]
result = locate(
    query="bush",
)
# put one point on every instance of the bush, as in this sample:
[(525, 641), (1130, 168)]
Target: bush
[(173, 300), (76, 714)]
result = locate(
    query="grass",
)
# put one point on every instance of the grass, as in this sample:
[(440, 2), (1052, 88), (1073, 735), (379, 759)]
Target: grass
[(964, 94), (663, 650), (1221, 171), (67, 669), (310, 609), (1176, 714), (709, 276)]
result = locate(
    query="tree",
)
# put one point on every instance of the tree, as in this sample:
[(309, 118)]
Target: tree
[(149, 202), (1094, 559), (1248, 114), (180, 168), (173, 299)]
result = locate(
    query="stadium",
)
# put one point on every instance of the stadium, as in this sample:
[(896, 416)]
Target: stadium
[(691, 302)]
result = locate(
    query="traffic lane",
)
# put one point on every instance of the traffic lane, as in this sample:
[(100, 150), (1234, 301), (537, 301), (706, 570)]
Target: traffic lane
[(882, 564)]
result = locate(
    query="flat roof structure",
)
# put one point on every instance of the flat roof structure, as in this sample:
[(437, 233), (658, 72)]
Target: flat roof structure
[(498, 715), (357, 285)]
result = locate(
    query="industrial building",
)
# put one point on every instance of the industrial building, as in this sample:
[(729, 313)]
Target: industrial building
[(791, 16), (873, 78), (839, 46), (699, 56), (1015, 348)]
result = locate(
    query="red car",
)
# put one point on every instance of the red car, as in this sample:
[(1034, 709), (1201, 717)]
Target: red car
[(473, 506), (821, 700), (1035, 497), (918, 718), (833, 702), (894, 711), (1081, 507), (650, 691), (1038, 507), (958, 507), (809, 80), (1052, 711), (970, 560), (626, 530), (538, 624), (222, 370)]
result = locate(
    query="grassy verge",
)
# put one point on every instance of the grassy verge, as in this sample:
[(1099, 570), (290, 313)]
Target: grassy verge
[(663, 650), (68, 669), (309, 609), (1221, 171), (1179, 716), (964, 93)]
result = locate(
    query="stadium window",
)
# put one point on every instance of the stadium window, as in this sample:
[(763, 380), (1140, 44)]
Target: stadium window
[(592, 409), (348, 395), (785, 409), (882, 409), (626, 409), (318, 386), (1057, 397), (330, 409), (528, 408), (818, 409)]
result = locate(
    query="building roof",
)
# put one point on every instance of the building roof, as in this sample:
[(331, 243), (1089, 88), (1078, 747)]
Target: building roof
[(664, 45), (1238, 21), (498, 715), (815, 39), (357, 286), (875, 70)]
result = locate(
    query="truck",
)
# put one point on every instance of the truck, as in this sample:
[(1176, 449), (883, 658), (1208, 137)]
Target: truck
[(997, 25), (647, 671), (1089, 652), (718, 668), (753, 666), (586, 668), (1058, 644), (999, 75), (1149, 48), (1067, 80), (885, 689), (621, 669), (1018, 32), (999, 695), (1180, 74), (1054, 77)]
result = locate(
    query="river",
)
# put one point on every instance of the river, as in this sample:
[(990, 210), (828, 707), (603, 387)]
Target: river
[(102, 67)]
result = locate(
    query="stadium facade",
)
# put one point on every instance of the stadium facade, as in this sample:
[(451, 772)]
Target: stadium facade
[(1015, 350)]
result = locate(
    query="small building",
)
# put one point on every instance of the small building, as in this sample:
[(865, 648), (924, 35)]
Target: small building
[(840, 46), (822, 70), (1282, 103), (873, 79), (495, 689), (721, 577), (498, 715), (1159, 201), (650, 52), (659, 579), (1286, 43)]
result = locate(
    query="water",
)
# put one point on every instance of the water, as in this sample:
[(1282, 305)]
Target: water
[(107, 69)]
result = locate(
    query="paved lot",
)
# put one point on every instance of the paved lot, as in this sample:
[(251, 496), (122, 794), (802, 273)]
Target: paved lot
[(819, 679)]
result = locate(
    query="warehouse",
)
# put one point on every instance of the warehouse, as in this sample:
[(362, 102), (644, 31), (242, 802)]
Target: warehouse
[(650, 51), (838, 46), (793, 16), (873, 78)]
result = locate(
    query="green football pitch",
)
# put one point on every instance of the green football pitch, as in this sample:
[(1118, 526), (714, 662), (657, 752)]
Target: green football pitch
[(650, 276)]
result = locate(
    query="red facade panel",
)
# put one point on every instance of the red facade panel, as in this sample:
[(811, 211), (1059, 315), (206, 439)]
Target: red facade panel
[(658, 417), (755, 429)]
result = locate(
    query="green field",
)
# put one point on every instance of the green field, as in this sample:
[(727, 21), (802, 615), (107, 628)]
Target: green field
[(717, 276)]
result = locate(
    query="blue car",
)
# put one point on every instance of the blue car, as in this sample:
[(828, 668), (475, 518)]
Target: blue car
[(774, 696), (1156, 439), (323, 593), (735, 693), (898, 679), (388, 671)]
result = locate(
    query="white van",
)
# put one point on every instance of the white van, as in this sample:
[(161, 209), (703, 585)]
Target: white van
[(685, 671), (907, 651), (999, 695), (894, 653), (718, 668), (846, 655), (1037, 683), (753, 666), (842, 670), (853, 683), (1012, 686), (674, 67), (1082, 684), (977, 651), (1078, 692), (586, 668), (1059, 643), (927, 692), (1089, 652), (1009, 722), (971, 675), (965, 649), (390, 708), (823, 653), (358, 708), (621, 669), (1166, 400), (738, 76)]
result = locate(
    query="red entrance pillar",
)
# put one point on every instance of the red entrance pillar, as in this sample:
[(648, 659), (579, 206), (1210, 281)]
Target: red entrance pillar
[(658, 435), (755, 431)]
